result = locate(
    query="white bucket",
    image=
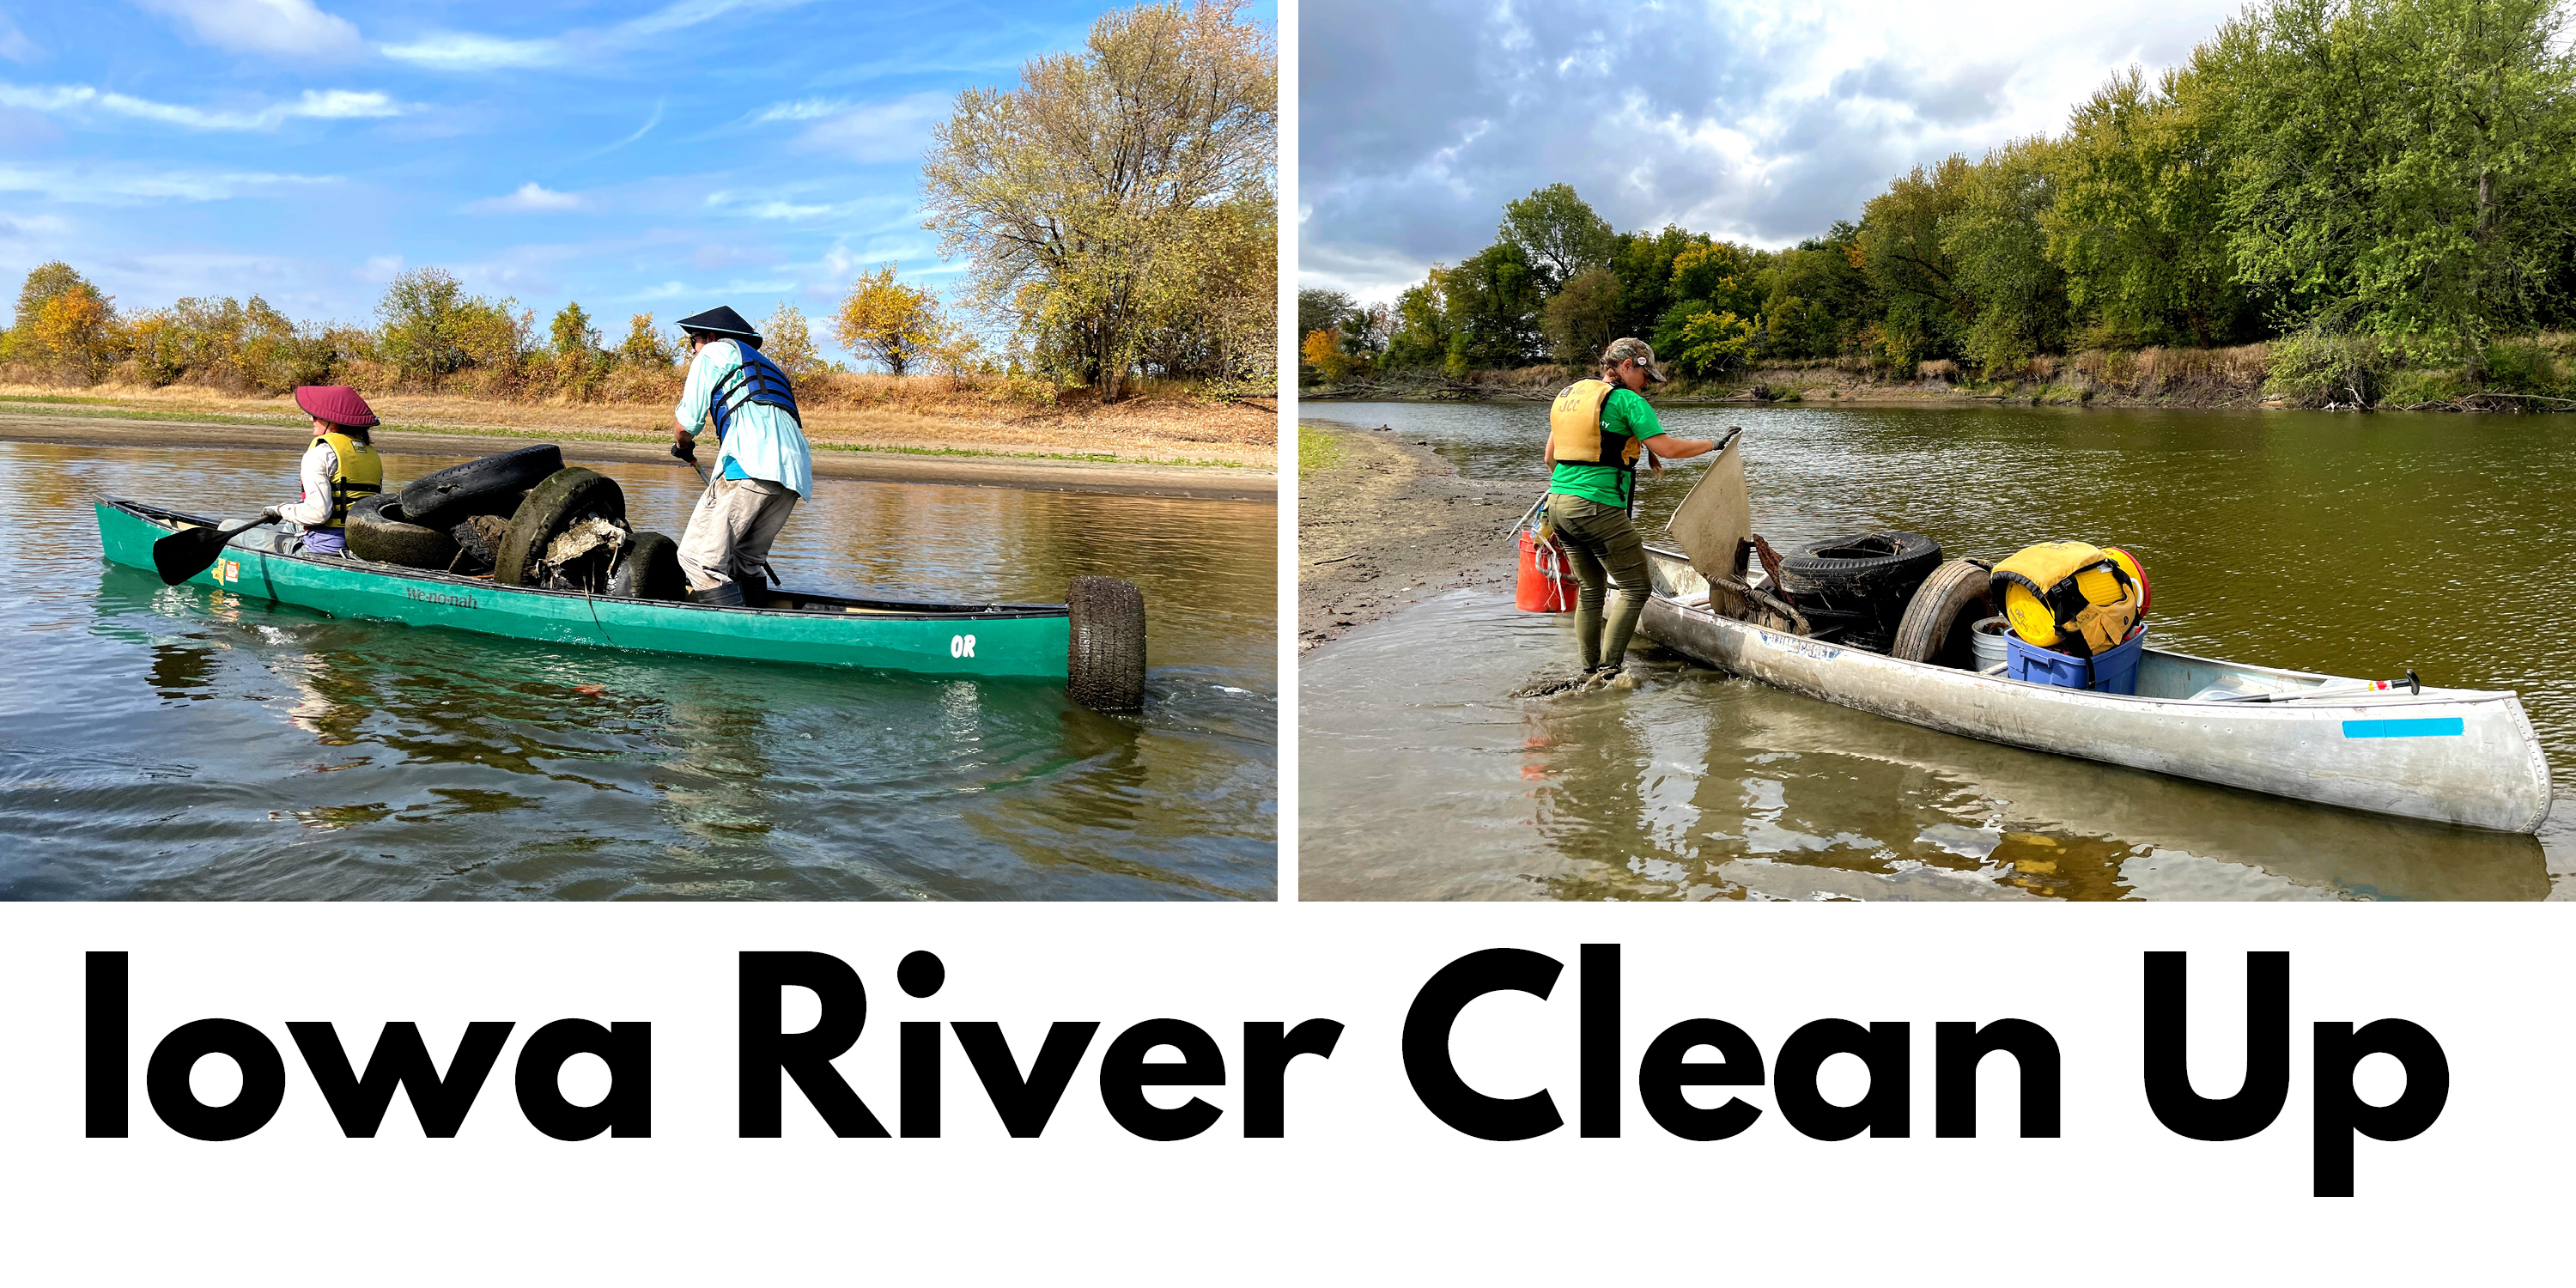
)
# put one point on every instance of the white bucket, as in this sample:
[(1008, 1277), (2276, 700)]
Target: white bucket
[(1988, 635)]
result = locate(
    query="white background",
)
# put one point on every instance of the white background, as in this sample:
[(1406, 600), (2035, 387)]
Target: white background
[(1366, 1184)]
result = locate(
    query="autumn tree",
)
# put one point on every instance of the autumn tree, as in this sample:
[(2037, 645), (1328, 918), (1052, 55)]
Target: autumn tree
[(578, 360), (643, 345), (63, 323), (885, 321), (1322, 350), (785, 339), (1081, 198)]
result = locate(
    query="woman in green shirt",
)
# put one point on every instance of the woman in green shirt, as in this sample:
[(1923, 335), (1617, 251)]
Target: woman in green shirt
[(1594, 441)]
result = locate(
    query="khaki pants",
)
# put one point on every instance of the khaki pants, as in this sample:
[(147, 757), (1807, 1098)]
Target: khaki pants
[(1605, 550), (730, 531)]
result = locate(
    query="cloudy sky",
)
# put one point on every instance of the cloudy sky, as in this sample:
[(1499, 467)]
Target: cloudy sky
[(1759, 121), (636, 158)]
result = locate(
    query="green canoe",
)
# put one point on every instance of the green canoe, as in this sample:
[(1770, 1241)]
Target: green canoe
[(1018, 640)]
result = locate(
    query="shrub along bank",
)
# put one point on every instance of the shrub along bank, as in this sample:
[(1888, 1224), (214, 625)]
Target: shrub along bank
[(2532, 373)]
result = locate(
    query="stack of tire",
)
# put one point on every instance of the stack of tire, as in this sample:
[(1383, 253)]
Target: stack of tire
[(1855, 589), (498, 514)]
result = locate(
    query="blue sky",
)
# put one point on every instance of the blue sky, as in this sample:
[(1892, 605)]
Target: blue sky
[(633, 157), (1758, 120)]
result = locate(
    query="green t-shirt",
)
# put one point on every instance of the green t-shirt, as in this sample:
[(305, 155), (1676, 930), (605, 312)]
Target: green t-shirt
[(1623, 412)]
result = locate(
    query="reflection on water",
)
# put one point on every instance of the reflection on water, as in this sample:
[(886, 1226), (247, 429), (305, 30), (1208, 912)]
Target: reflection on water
[(178, 742), (2357, 545)]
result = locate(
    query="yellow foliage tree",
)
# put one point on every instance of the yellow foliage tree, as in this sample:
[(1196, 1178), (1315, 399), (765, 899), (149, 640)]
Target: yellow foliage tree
[(77, 332), (1322, 350), (885, 321)]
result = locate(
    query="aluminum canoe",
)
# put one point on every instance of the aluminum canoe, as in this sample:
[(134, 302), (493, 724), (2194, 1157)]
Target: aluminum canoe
[(2463, 756)]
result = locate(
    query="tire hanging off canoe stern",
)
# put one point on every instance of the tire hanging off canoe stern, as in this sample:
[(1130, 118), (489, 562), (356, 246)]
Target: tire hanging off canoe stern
[(1105, 649)]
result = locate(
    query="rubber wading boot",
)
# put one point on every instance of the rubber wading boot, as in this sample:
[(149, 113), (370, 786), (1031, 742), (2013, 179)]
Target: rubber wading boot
[(723, 594), (755, 588)]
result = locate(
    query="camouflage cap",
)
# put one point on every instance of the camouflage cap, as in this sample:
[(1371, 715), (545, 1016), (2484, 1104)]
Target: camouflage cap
[(1632, 347)]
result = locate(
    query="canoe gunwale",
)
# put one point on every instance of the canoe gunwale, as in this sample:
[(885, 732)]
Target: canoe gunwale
[(879, 609)]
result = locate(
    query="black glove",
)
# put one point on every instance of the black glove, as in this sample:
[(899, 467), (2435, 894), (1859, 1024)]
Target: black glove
[(270, 515), (685, 451)]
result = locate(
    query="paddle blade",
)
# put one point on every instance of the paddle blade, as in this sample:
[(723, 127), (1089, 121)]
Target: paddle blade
[(187, 552)]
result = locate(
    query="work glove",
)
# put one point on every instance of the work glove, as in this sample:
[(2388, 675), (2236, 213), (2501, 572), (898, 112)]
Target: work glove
[(685, 451), (270, 515)]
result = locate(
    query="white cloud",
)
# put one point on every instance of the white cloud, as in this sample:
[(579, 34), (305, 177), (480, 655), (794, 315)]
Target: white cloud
[(803, 109), (531, 199), (889, 131), (1757, 120), (126, 186), (262, 26), (463, 51), (378, 268), (324, 105)]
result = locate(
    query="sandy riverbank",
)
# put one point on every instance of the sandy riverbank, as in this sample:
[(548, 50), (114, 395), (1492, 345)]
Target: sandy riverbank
[(1383, 523), (102, 427)]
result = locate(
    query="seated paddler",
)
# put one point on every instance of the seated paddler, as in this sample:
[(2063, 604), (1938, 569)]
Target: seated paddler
[(339, 467), (763, 464)]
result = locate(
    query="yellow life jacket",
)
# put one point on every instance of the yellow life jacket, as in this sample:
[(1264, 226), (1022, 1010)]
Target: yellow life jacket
[(2068, 595), (1574, 428), (358, 472)]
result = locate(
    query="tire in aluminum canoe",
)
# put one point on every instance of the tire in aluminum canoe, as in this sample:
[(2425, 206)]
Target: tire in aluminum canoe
[(2462, 756), (992, 640)]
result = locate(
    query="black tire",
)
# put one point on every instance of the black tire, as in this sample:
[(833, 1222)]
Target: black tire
[(1872, 565), (1935, 628), (444, 498), (649, 568), (1105, 651), (378, 530), (566, 495)]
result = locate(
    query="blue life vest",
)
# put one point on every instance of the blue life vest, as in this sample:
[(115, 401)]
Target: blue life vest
[(757, 380)]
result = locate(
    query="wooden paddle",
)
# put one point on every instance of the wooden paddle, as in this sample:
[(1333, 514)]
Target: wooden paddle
[(189, 551)]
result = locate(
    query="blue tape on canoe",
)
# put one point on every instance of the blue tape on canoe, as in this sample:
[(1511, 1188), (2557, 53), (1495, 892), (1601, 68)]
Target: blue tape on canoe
[(2446, 728)]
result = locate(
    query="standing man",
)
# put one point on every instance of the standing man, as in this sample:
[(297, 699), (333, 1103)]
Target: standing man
[(1595, 433), (764, 465), (338, 468)]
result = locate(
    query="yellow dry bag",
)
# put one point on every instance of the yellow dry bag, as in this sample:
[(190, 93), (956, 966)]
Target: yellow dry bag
[(2069, 596)]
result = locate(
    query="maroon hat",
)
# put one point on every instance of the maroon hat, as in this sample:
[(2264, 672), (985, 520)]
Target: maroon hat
[(338, 404)]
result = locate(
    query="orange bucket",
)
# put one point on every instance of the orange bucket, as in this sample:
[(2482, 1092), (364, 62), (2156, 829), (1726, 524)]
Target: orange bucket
[(1547, 583)]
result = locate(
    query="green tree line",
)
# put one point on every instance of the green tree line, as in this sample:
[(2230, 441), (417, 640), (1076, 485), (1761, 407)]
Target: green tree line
[(2361, 178)]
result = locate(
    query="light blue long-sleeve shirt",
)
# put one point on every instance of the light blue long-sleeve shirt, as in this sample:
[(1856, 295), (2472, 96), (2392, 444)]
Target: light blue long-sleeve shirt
[(760, 441)]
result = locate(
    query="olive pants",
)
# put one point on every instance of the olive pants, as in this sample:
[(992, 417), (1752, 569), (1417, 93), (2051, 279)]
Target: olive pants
[(1605, 550)]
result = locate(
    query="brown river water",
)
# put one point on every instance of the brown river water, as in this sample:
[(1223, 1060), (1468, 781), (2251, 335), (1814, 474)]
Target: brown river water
[(2349, 544), (172, 743)]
